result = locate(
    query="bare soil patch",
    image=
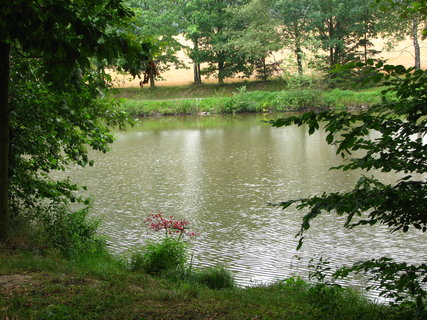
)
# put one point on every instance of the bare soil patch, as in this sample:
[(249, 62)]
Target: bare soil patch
[(16, 282)]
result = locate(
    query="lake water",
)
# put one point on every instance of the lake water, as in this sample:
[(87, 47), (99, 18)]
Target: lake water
[(221, 173)]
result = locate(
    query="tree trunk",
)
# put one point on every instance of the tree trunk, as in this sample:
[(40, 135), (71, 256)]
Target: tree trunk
[(264, 70), (415, 24), (331, 56), (298, 53), (365, 49), (196, 65), (298, 49), (197, 76), (331, 47), (199, 73), (220, 72), (4, 140), (152, 82)]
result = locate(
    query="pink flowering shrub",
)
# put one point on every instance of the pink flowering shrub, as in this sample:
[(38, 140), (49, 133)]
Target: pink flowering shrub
[(170, 254), (170, 225)]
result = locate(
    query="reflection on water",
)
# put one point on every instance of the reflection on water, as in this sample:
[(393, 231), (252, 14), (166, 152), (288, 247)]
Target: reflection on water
[(220, 173)]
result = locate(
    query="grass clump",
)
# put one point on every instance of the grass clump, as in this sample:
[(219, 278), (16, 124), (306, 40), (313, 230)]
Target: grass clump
[(342, 99), (215, 278), (298, 99), (159, 257)]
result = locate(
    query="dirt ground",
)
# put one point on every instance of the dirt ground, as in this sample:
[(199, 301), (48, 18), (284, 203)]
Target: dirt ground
[(402, 54)]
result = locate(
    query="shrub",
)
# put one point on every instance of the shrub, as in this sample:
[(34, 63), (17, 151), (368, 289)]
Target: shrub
[(188, 106), (215, 278), (239, 102), (253, 101), (70, 232), (56, 227), (297, 81), (298, 99), (155, 258), (168, 255)]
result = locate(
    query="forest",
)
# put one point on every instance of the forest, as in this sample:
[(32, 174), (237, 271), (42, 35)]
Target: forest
[(237, 38)]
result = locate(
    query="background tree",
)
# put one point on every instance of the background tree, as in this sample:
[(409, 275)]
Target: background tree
[(193, 16), (294, 25), (343, 27), (211, 24), (52, 60), (401, 206), (397, 25), (158, 21), (256, 37)]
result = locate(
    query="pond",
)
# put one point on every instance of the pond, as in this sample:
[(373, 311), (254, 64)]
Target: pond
[(221, 173)]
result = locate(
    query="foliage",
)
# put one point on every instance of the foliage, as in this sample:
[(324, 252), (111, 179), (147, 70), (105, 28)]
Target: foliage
[(401, 282), (215, 278), (69, 232), (171, 253), (299, 99), (242, 101), (403, 19), (54, 130), (258, 39), (297, 81), (334, 301), (158, 21), (344, 27), (52, 90), (158, 257), (348, 99), (295, 26), (210, 26), (401, 124)]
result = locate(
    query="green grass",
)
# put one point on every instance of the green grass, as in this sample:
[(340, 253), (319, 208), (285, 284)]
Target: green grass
[(197, 91), (352, 99), (101, 287), (215, 278), (244, 100)]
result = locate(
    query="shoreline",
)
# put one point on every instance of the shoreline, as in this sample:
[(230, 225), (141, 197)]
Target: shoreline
[(300, 100)]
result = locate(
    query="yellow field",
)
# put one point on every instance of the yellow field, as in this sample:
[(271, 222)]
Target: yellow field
[(402, 54)]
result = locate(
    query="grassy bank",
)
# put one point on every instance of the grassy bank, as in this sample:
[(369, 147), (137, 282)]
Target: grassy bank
[(206, 90), (243, 100), (99, 287)]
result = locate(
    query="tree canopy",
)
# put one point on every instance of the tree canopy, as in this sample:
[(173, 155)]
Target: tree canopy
[(53, 56), (399, 147)]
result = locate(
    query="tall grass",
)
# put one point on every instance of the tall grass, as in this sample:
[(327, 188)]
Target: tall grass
[(157, 258), (215, 278)]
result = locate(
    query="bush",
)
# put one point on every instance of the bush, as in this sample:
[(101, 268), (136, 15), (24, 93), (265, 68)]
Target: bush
[(253, 101), (188, 106), (297, 81), (167, 255), (70, 232), (298, 99), (56, 227), (215, 278)]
